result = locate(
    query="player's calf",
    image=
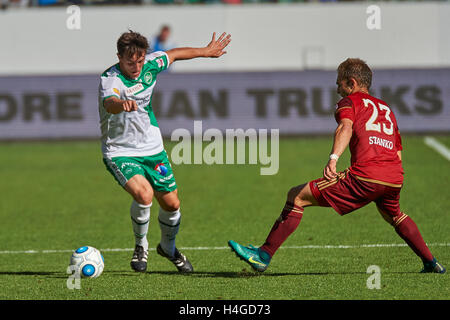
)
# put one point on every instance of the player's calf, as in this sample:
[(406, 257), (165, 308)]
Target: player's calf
[(140, 218), (407, 229), (286, 223)]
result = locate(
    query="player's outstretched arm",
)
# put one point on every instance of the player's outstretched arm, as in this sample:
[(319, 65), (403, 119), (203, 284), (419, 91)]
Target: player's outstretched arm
[(342, 138), (214, 49), (115, 105)]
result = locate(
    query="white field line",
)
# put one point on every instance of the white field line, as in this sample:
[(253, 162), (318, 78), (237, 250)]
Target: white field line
[(376, 245), (438, 147)]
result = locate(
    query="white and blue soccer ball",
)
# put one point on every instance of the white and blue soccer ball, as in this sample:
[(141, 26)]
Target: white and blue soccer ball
[(87, 262)]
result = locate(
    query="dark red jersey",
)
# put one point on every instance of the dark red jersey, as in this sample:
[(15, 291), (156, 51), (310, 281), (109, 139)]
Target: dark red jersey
[(375, 139)]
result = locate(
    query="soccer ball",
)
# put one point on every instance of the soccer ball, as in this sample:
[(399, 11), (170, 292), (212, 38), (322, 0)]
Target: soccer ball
[(87, 262)]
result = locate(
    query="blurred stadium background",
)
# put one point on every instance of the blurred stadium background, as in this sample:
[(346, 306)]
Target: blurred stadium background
[(279, 71)]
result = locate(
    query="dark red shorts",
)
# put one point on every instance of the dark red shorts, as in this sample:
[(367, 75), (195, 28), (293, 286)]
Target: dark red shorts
[(348, 192)]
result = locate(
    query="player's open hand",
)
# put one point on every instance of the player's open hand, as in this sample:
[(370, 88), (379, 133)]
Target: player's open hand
[(129, 105), (216, 48), (329, 172)]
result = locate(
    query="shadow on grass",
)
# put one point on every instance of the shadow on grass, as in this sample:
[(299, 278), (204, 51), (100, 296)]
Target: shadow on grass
[(245, 274), (199, 274), (30, 273)]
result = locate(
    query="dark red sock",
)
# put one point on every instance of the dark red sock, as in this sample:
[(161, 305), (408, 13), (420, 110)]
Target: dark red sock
[(408, 231), (286, 224)]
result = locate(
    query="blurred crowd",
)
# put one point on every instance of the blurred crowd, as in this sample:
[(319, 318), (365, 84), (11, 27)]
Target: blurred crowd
[(41, 3)]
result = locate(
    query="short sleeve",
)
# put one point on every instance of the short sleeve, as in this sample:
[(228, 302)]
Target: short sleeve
[(159, 60), (344, 109), (109, 87)]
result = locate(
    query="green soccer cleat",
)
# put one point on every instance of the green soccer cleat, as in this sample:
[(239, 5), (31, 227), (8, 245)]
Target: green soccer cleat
[(259, 260), (433, 266)]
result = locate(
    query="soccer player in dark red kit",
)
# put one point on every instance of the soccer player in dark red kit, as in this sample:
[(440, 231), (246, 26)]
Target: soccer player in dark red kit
[(368, 126)]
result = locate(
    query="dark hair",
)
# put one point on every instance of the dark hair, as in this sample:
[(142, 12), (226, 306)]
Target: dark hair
[(357, 69), (131, 43)]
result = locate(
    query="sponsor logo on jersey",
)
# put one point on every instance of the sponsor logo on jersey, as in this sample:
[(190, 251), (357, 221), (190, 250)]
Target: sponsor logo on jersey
[(129, 164), (116, 91), (164, 179), (134, 89), (148, 77), (160, 62), (161, 169)]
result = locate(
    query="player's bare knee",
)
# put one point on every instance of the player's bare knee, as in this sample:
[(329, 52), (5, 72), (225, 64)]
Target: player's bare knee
[(301, 196), (295, 195), (171, 208), (144, 197), (172, 205), (292, 194), (299, 202)]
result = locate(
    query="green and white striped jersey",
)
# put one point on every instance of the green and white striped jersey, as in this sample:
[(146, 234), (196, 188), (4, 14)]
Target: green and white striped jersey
[(136, 133)]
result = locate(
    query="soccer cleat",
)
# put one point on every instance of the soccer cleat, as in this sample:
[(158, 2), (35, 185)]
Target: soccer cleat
[(433, 266), (251, 255), (139, 260), (179, 260)]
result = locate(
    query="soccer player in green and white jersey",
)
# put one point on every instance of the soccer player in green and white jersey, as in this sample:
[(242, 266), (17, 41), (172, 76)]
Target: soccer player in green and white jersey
[(132, 146)]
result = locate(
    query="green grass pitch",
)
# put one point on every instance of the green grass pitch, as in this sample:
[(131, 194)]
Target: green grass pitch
[(58, 196)]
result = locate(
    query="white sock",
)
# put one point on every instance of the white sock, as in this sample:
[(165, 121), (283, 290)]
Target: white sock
[(169, 222), (140, 217)]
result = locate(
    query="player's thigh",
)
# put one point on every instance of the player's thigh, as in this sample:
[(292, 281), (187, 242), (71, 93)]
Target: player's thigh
[(168, 201), (140, 189), (302, 196), (159, 173), (388, 204), (129, 172), (388, 218), (345, 193)]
